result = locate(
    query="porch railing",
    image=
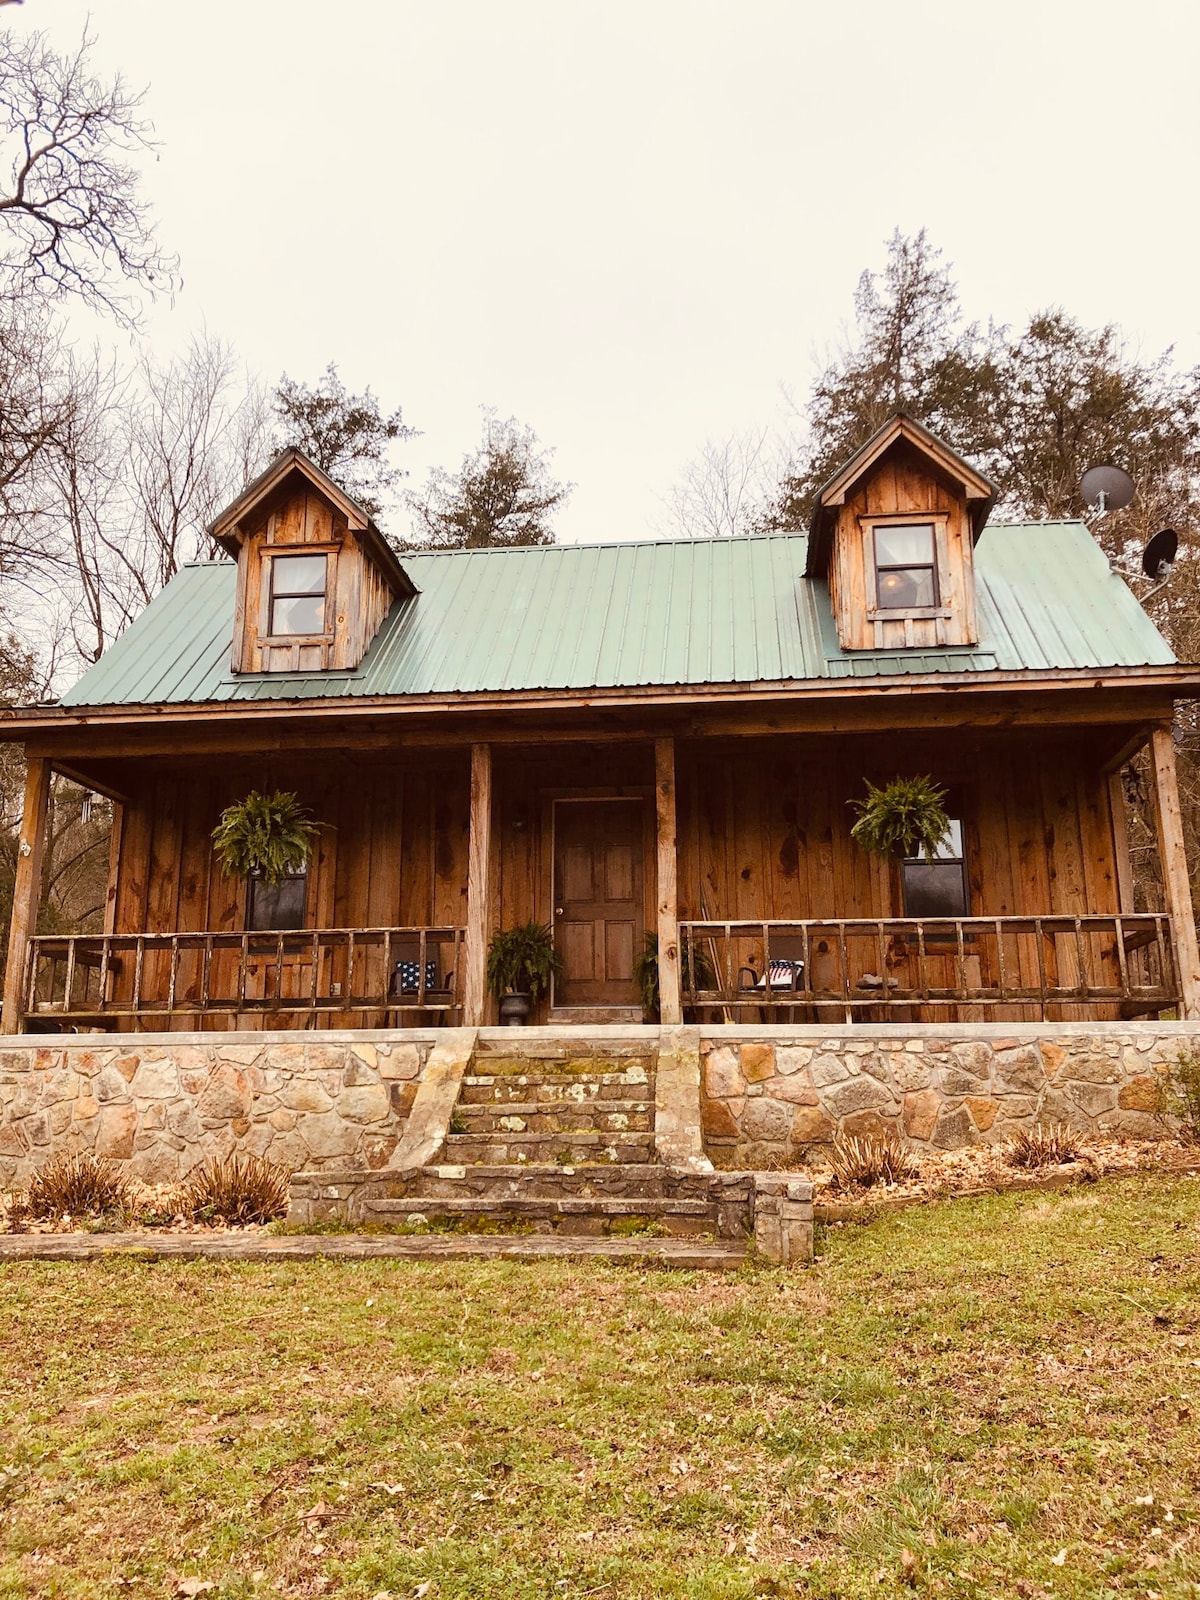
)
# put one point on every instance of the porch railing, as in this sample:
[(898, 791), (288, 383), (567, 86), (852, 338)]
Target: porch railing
[(857, 965), (91, 977)]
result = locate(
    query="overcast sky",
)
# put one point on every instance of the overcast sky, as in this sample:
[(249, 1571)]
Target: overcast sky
[(634, 224)]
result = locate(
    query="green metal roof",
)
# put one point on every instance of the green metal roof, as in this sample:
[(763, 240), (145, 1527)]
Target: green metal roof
[(687, 612)]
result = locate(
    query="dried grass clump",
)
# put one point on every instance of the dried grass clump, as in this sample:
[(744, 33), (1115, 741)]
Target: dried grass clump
[(862, 1160), (76, 1186), (1185, 1096), (236, 1191), (1048, 1144)]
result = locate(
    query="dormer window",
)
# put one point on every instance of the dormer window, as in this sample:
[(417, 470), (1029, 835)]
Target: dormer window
[(298, 588), (905, 567), (316, 578)]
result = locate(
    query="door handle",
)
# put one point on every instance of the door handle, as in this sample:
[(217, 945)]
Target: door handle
[(558, 911)]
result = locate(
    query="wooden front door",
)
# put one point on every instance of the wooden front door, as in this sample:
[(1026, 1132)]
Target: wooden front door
[(598, 912)]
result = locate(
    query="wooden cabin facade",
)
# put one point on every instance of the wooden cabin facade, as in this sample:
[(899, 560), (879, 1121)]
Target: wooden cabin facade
[(619, 741)]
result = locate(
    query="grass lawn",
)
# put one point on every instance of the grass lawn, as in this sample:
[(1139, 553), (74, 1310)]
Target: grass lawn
[(993, 1397)]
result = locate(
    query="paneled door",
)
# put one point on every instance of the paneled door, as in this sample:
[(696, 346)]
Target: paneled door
[(598, 903)]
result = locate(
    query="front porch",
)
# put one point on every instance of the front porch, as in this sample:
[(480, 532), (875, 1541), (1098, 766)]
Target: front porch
[(734, 853), (866, 970)]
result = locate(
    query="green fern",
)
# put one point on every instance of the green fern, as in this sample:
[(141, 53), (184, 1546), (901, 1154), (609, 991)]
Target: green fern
[(905, 818), (695, 973), (268, 837), (523, 960)]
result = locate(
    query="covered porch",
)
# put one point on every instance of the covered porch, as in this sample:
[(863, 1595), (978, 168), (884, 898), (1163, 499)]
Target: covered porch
[(731, 847)]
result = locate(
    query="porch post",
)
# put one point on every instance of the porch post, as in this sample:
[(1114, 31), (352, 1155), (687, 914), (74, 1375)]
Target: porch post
[(478, 893), (1175, 870), (670, 1003), (27, 888)]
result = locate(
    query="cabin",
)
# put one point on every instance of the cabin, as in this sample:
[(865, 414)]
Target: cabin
[(623, 741)]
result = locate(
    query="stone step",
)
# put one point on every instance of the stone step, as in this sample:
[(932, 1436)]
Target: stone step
[(552, 1087), (694, 1254), (564, 1116), (630, 1180), (570, 1148), (592, 1217), (563, 1059)]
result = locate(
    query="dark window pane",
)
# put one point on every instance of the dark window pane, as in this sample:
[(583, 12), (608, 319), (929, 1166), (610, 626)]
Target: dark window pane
[(298, 574), (935, 889), (904, 588), (910, 546), (300, 614), (277, 906)]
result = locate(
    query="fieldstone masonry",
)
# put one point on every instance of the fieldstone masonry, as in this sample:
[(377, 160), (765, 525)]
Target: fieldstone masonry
[(773, 1101), (163, 1103), (750, 1099)]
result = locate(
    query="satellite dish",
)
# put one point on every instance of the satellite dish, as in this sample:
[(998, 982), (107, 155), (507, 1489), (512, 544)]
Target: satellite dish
[(1106, 488), (1160, 554)]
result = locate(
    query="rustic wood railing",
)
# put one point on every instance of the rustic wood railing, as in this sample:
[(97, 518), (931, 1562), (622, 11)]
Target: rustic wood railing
[(862, 964), (91, 977)]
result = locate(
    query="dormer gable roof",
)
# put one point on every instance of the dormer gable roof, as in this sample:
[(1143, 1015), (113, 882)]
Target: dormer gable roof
[(978, 492), (229, 528)]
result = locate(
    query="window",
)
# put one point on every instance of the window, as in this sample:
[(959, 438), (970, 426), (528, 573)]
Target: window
[(276, 907), (905, 567), (938, 888), (298, 595)]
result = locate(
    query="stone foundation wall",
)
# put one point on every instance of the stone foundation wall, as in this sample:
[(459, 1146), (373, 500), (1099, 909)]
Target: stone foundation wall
[(161, 1106), (775, 1100)]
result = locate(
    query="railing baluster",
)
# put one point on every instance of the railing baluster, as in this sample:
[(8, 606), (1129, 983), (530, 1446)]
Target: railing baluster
[(844, 959), (1039, 936), (1081, 973), (922, 967), (242, 965), (387, 966), (1002, 976), (960, 958), (350, 953), (70, 983), (1122, 959), (173, 974), (139, 962), (206, 971)]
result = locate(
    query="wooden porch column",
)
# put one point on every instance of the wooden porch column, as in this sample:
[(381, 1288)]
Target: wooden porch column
[(478, 888), (1175, 870), (669, 988), (27, 888)]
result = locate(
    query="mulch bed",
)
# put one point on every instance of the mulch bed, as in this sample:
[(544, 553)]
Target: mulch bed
[(981, 1169)]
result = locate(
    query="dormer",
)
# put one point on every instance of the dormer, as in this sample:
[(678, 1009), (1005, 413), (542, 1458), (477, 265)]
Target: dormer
[(315, 577), (894, 531)]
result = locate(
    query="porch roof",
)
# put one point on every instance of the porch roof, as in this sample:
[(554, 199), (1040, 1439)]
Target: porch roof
[(681, 613)]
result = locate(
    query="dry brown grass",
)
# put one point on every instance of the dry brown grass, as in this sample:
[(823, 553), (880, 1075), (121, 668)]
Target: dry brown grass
[(236, 1191), (863, 1160), (76, 1186), (1046, 1144)]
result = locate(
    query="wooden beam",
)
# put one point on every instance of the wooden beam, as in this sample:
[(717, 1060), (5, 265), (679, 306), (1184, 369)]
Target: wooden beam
[(1175, 869), (1120, 838), (478, 896), (669, 986), (27, 889)]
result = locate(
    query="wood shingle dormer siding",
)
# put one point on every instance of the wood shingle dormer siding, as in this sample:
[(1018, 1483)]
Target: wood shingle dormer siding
[(315, 579), (894, 533)]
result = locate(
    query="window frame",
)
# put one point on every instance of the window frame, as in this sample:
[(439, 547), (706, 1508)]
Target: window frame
[(960, 861), (939, 522), (272, 553), (254, 884)]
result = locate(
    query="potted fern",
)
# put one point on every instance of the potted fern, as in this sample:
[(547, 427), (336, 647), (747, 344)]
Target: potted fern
[(696, 972), (267, 837), (906, 817), (521, 962)]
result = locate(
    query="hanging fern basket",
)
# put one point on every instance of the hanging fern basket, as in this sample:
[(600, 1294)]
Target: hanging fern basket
[(905, 818), (265, 836)]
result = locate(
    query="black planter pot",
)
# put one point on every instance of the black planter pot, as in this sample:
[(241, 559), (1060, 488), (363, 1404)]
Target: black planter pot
[(514, 1010)]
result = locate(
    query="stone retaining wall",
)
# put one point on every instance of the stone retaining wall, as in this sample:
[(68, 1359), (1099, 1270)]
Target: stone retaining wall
[(774, 1100), (161, 1106)]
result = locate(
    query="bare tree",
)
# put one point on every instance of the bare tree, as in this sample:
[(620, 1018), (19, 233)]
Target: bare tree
[(723, 492), (141, 467), (73, 220)]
